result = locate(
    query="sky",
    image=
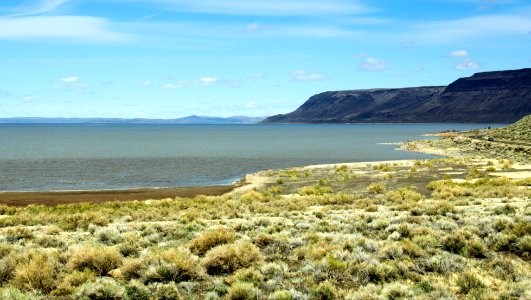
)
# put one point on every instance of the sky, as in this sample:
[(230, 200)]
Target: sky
[(173, 58)]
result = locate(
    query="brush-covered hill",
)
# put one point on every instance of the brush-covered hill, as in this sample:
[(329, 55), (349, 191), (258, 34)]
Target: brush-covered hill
[(489, 97), (519, 132)]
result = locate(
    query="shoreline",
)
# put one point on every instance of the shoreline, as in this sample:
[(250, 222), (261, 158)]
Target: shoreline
[(22, 199), (247, 183), (244, 184)]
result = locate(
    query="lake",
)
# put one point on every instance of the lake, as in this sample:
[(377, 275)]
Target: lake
[(46, 157)]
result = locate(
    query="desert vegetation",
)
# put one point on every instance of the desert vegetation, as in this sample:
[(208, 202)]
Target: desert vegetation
[(512, 143), (443, 228)]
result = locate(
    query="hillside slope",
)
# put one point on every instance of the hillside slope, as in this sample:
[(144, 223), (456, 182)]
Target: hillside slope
[(490, 97)]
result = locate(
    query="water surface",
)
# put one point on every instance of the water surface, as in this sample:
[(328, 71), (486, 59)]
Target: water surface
[(45, 157)]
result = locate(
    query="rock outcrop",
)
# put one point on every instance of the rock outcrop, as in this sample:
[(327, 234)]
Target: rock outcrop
[(489, 97)]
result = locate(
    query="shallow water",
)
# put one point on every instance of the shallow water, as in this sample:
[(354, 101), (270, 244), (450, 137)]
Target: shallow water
[(44, 157)]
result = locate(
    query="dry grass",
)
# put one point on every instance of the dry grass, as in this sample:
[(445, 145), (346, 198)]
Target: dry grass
[(231, 257), (410, 230), (99, 259), (210, 239)]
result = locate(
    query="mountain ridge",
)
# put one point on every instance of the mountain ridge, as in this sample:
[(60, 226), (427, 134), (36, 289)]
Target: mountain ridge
[(193, 119), (487, 97)]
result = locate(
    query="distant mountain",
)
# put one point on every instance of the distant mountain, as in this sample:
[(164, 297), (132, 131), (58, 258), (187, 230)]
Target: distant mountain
[(489, 97), (216, 120), (185, 120)]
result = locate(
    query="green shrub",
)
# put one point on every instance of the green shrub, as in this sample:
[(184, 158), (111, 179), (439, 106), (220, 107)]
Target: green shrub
[(167, 291), (50, 242), (72, 222), (524, 182), (132, 268), (73, 280), (246, 275), (376, 188), (505, 268), (503, 242), (210, 239), (5, 249), (402, 195), (425, 286), (412, 250), (128, 249), (16, 234), (474, 172), (505, 210), (396, 291), (8, 265), (476, 248), (231, 257), (524, 246), (280, 295), (315, 190), (101, 288), (454, 242), (137, 291), (468, 282), (108, 236), (324, 291), (383, 168), (441, 208), (15, 294), (242, 291), (173, 265)]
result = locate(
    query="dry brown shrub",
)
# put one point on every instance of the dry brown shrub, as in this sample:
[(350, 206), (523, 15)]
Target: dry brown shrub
[(174, 265), (99, 259), (231, 257), (210, 239), (36, 272)]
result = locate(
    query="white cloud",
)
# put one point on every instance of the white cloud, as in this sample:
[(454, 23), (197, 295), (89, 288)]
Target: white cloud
[(467, 64), (465, 29), (70, 83), (302, 75), (256, 77), (41, 7), (4, 93), (171, 86), (373, 64), (255, 27), (251, 104), (147, 84), (69, 79), (28, 98), (175, 85), (459, 54), (208, 80), (367, 21), (266, 8), (72, 28)]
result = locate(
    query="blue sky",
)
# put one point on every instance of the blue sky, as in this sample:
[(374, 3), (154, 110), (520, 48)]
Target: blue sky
[(172, 58)]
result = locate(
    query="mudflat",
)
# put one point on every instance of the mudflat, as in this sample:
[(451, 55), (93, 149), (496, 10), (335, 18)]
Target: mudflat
[(99, 196)]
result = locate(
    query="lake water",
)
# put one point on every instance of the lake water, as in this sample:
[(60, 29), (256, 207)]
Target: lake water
[(45, 157)]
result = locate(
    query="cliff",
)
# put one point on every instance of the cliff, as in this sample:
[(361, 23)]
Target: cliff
[(489, 97)]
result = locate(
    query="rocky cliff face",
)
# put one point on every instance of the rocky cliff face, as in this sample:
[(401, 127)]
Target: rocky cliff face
[(490, 97)]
